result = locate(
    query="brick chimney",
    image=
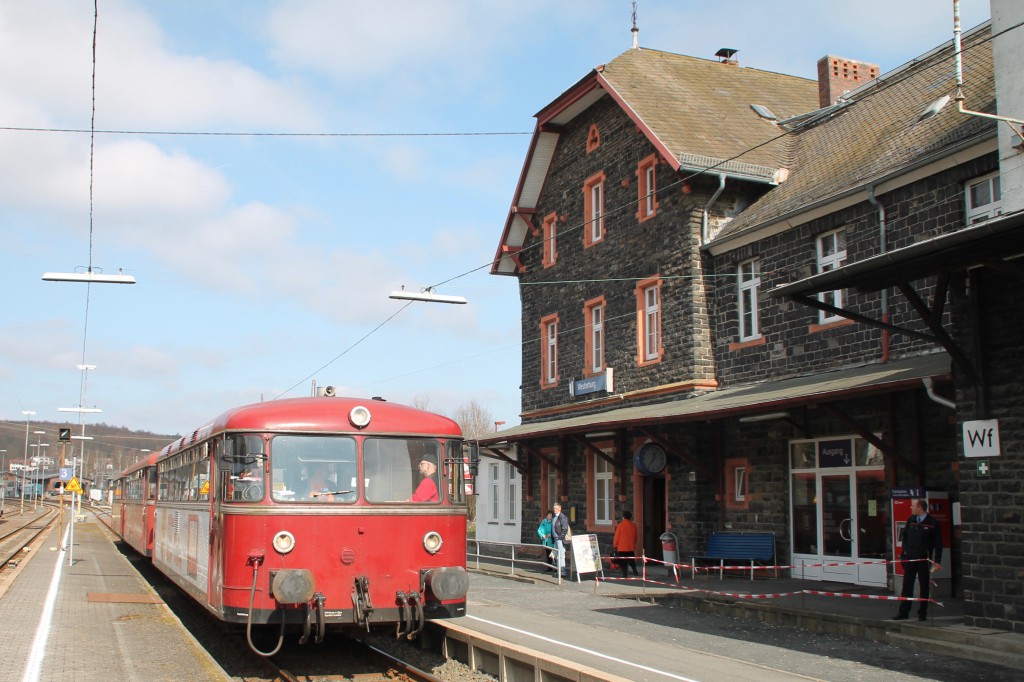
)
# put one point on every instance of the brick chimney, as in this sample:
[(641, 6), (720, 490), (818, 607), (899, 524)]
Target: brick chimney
[(838, 76)]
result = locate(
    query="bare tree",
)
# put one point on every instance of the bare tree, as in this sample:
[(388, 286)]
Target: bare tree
[(421, 401), (475, 420)]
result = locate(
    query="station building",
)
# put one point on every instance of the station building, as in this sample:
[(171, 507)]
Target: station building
[(757, 302)]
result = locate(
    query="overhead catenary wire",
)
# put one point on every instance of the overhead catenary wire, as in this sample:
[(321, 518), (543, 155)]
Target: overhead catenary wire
[(608, 214), (902, 74)]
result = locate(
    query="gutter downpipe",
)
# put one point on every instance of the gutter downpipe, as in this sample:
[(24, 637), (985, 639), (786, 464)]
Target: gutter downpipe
[(704, 214), (960, 79), (883, 232), (929, 389)]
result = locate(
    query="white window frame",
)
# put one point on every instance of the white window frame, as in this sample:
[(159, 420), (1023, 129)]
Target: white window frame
[(551, 370), (652, 322), (597, 338), (748, 281), (597, 212), (831, 260), (992, 205), (495, 489), (510, 503), (740, 484), (603, 503)]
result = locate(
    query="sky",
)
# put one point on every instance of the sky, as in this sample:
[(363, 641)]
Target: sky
[(264, 262)]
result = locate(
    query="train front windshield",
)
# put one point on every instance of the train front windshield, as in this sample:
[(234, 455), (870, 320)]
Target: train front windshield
[(325, 469)]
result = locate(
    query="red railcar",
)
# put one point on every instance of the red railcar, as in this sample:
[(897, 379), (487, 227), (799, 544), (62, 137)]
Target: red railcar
[(316, 513), (132, 510)]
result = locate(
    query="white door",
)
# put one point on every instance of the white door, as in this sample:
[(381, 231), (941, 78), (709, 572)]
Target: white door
[(839, 515)]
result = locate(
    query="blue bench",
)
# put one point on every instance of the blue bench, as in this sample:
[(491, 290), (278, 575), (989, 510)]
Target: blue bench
[(734, 547)]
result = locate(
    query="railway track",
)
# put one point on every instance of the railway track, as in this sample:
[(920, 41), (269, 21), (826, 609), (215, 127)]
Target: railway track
[(19, 531), (359, 660)]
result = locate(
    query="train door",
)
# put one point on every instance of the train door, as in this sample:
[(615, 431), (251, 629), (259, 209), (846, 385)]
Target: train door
[(215, 595)]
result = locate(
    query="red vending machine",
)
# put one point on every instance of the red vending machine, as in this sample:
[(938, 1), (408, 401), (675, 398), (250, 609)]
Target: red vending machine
[(939, 507)]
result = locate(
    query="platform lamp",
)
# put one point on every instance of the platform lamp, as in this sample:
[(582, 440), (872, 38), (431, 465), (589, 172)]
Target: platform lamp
[(3, 477), (80, 410), (24, 462), (81, 466), (38, 446)]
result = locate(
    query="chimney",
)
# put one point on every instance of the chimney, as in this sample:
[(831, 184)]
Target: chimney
[(838, 76), (725, 56)]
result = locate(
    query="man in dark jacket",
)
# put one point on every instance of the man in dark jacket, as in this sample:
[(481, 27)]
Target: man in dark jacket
[(922, 552), (559, 526)]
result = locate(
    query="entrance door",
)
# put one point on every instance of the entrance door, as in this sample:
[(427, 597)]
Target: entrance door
[(839, 515), (653, 520), (836, 527)]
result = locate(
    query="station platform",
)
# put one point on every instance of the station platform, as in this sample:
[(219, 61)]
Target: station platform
[(711, 629), (84, 613)]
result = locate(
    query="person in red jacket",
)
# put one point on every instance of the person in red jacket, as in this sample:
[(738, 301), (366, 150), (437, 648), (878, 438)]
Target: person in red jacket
[(426, 491), (625, 543)]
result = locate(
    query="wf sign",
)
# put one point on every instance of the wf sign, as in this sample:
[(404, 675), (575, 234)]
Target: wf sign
[(981, 438)]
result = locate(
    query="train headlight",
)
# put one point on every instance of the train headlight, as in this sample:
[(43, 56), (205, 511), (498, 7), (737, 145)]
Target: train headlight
[(432, 542), (359, 416), (284, 542)]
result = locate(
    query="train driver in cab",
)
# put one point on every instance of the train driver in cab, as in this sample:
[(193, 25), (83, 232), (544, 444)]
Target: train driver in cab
[(318, 480), (426, 491)]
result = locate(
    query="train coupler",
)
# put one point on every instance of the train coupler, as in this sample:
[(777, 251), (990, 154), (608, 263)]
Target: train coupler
[(362, 606), (317, 607), (417, 619)]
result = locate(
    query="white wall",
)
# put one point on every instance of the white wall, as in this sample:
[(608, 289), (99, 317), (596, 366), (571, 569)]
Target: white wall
[(1008, 52), (499, 508)]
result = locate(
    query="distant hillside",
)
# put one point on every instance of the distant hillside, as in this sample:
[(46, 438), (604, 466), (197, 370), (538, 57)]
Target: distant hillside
[(111, 449)]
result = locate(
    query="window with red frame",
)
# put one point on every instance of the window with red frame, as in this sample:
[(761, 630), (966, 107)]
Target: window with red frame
[(647, 202), (648, 311), (550, 229), (593, 322), (549, 351), (593, 210)]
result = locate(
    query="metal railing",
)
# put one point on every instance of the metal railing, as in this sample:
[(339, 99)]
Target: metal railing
[(497, 554)]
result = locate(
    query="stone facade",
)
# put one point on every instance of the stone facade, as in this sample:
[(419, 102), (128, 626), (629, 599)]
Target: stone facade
[(992, 550)]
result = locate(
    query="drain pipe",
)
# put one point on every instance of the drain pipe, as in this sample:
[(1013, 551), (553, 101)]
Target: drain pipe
[(882, 239), (704, 215), (960, 79), (929, 389)]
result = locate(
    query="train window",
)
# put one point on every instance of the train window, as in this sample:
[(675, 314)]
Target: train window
[(456, 472), (314, 468), (402, 469)]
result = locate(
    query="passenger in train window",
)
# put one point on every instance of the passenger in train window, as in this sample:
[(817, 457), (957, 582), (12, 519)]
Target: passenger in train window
[(426, 491)]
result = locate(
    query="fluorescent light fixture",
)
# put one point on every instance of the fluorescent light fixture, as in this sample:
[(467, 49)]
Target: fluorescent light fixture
[(81, 437), (767, 416), (426, 296), (91, 277), (79, 409)]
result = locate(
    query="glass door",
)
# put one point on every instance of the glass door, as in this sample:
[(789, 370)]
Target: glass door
[(838, 511), (836, 525)]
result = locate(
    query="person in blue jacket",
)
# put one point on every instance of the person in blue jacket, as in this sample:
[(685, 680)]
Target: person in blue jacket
[(922, 552), (544, 531)]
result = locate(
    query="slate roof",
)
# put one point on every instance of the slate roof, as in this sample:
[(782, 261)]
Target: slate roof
[(700, 109), (696, 112), (877, 132)]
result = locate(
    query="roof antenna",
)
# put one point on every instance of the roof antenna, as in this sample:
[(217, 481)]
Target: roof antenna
[(635, 30)]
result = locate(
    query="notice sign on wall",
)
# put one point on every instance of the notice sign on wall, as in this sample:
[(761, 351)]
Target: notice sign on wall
[(981, 438)]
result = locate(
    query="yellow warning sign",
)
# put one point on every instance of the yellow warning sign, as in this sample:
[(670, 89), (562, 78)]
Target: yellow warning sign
[(73, 486), (205, 490)]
